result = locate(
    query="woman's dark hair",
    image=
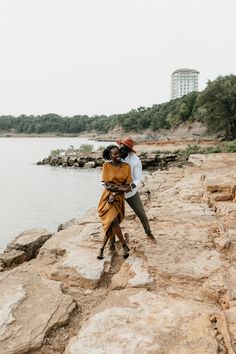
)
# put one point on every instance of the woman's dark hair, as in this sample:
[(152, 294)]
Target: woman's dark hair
[(107, 152)]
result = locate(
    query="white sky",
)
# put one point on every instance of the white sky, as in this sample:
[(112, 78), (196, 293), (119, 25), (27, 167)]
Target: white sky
[(105, 56)]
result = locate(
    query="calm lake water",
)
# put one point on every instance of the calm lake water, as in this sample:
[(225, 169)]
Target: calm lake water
[(41, 196)]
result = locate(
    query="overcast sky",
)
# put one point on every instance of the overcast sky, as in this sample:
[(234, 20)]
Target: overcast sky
[(105, 56)]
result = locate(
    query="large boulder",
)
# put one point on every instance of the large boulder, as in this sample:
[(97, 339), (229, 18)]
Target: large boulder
[(12, 258), (30, 306), (30, 241), (77, 246), (23, 248)]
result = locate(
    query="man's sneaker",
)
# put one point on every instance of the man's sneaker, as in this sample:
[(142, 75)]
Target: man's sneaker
[(151, 237)]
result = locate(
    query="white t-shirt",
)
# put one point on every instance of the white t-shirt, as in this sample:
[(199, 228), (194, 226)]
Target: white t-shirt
[(136, 172)]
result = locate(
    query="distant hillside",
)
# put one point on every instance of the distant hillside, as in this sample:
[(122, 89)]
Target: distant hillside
[(215, 108), (156, 117)]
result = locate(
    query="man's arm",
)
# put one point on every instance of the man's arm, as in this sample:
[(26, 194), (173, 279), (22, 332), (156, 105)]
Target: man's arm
[(137, 173)]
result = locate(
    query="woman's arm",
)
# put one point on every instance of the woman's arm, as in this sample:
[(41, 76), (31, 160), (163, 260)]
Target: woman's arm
[(125, 188), (112, 187)]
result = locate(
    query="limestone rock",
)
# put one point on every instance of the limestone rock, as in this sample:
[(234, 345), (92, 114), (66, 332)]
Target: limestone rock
[(176, 296), (90, 164), (89, 217), (143, 322), (30, 241), (133, 273), (222, 242), (230, 315), (78, 245), (2, 266), (12, 258), (231, 284), (29, 306)]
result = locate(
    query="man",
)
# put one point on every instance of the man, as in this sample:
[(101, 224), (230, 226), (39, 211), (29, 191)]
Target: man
[(132, 198)]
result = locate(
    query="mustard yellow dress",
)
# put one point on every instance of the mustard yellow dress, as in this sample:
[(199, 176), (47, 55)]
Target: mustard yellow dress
[(119, 175)]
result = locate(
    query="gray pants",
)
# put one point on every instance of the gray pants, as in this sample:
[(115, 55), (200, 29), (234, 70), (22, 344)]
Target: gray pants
[(136, 204)]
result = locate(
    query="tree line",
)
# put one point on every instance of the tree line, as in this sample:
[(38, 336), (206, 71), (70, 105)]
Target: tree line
[(215, 107)]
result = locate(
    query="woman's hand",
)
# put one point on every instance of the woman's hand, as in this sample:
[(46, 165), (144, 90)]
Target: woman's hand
[(112, 198), (111, 187), (125, 188)]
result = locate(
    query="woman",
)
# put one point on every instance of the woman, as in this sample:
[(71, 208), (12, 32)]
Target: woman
[(116, 178)]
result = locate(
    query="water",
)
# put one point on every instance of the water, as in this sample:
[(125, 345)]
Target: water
[(34, 196)]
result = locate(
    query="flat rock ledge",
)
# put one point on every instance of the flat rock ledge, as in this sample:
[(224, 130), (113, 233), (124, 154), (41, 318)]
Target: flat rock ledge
[(174, 297), (131, 321), (77, 245)]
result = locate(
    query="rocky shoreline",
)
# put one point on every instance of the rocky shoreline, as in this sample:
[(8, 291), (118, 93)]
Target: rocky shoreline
[(176, 296), (150, 160)]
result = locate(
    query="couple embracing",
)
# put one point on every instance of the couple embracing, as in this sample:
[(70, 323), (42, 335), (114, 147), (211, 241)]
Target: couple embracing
[(121, 175)]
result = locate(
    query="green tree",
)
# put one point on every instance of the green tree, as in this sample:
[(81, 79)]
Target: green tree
[(216, 106)]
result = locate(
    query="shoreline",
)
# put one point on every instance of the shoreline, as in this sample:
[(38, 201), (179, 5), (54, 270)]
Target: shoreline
[(38, 136), (141, 145)]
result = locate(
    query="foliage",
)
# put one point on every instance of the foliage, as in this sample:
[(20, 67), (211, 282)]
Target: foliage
[(57, 152), (227, 146), (101, 148), (85, 148), (72, 151), (156, 117), (216, 106)]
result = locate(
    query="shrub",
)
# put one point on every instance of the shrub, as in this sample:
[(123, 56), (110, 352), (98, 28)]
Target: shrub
[(230, 146), (85, 149), (101, 148), (56, 152)]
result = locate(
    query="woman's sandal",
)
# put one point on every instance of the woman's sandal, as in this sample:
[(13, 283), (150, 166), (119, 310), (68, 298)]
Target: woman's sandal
[(100, 254), (126, 251)]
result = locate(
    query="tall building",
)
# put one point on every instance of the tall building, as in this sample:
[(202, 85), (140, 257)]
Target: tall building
[(183, 81)]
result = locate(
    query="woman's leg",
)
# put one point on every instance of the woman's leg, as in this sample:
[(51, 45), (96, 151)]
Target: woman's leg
[(117, 231), (104, 242), (112, 246)]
